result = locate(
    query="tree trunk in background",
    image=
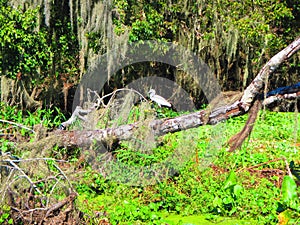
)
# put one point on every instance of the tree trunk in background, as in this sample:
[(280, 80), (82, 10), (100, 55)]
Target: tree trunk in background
[(14, 92)]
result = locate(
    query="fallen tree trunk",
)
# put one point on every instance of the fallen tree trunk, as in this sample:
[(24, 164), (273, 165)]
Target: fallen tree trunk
[(163, 126)]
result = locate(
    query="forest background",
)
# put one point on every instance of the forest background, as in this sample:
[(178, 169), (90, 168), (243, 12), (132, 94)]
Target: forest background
[(46, 46)]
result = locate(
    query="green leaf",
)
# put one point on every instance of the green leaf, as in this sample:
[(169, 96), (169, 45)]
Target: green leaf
[(289, 190), (228, 200), (231, 180), (217, 202), (237, 190)]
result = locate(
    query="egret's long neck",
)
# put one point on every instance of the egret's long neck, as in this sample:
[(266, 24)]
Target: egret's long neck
[(152, 93)]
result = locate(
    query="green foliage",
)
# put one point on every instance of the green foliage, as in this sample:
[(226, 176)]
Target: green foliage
[(261, 16), (226, 189), (145, 19), (5, 215), (24, 48), (63, 42), (48, 118), (30, 51), (161, 20), (225, 34), (133, 211), (289, 204)]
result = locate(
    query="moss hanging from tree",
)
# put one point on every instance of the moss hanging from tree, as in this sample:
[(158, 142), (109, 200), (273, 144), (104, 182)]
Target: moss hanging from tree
[(228, 35)]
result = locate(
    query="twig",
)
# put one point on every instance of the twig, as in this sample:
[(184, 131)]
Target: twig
[(277, 98), (6, 185), (17, 125), (32, 159), (79, 111), (258, 165), (123, 89), (58, 180), (98, 97), (52, 189), (46, 179), (273, 160), (60, 204), (63, 174), (25, 176), (29, 210), (14, 166)]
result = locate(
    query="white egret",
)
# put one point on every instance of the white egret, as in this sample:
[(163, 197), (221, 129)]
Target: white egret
[(158, 99)]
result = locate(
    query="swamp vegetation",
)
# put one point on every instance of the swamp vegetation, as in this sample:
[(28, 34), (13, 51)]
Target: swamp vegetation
[(47, 47)]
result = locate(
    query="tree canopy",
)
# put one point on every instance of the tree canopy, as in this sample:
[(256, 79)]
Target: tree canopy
[(44, 42)]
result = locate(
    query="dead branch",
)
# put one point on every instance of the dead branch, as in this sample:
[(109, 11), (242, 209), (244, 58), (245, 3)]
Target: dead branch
[(42, 214), (30, 201), (60, 204), (23, 174), (237, 140), (19, 168)]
